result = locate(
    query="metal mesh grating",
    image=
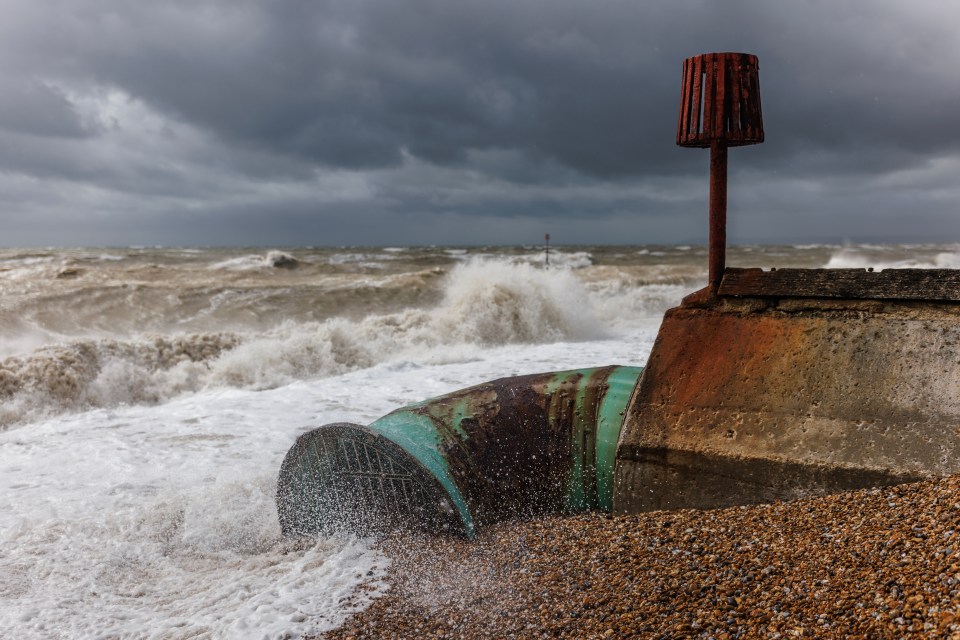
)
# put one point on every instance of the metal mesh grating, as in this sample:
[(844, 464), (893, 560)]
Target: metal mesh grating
[(346, 478)]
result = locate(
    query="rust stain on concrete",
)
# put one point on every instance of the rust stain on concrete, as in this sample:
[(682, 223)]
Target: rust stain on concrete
[(749, 399)]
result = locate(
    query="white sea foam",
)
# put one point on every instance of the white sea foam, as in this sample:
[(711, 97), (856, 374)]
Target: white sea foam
[(241, 263), (160, 522), (557, 258), (486, 304), (624, 305), (253, 262), (879, 258), (280, 259), (350, 258), (27, 261), (810, 247)]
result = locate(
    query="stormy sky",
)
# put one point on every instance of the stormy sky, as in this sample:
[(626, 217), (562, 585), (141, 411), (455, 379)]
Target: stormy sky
[(381, 122)]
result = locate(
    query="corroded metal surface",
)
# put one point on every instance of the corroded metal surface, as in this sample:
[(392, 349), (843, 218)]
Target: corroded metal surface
[(509, 448), (717, 259), (526, 445), (753, 399), (720, 100), (346, 474)]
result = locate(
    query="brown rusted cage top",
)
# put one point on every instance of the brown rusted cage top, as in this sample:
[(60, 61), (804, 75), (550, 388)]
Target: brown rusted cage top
[(720, 101)]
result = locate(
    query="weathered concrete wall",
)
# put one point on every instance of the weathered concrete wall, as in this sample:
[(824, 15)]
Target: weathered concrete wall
[(754, 399)]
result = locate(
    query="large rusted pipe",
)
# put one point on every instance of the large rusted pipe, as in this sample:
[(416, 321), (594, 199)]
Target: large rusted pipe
[(514, 447)]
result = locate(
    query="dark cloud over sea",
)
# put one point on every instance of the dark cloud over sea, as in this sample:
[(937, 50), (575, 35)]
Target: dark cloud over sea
[(439, 121)]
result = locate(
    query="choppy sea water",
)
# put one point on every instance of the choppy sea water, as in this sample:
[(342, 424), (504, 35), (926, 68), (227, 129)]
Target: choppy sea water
[(148, 396)]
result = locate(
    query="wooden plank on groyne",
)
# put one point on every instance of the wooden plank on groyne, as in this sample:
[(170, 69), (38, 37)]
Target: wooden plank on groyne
[(857, 284)]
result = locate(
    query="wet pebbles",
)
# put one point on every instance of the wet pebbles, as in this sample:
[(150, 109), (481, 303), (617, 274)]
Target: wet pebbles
[(879, 563)]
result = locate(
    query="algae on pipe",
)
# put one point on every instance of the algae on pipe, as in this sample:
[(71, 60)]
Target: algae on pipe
[(514, 447)]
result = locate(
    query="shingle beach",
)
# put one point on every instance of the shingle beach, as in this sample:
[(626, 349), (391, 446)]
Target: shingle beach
[(876, 563)]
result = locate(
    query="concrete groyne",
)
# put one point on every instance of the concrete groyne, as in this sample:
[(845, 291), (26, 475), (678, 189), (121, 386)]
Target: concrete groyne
[(795, 383)]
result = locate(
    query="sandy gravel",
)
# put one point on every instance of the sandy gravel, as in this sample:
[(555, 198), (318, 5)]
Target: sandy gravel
[(880, 563)]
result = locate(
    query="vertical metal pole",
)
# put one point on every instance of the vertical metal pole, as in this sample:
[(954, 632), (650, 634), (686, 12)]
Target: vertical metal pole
[(718, 212)]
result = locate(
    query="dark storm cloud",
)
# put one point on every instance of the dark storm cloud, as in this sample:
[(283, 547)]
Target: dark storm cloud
[(527, 109), (592, 87), (34, 108)]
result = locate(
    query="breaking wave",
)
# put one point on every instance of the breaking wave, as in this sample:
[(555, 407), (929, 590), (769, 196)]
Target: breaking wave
[(880, 258), (272, 259), (485, 303)]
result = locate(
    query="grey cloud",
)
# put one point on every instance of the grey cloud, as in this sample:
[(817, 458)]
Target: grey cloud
[(519, 110), (31, 107), (592, 88)]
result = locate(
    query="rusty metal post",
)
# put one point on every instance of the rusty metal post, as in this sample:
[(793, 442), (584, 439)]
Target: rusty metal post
[(718, 212), (719, 108)]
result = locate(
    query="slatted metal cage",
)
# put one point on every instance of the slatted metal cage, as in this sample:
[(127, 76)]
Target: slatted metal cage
[(720, 101)]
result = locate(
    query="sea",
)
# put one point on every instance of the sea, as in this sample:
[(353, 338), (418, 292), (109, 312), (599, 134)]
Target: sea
[(149, 394)]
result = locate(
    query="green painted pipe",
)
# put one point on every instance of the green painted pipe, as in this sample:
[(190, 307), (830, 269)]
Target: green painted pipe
[(514, 447)]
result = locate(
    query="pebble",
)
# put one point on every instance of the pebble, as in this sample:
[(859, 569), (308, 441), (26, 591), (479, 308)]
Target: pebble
[(875, 563)]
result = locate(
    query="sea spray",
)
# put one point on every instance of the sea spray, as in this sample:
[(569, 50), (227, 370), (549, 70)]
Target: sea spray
[(153, 518), (886, 257), (495, 303), (102, 373), (485, 303), (138, 523), (145, 326)]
